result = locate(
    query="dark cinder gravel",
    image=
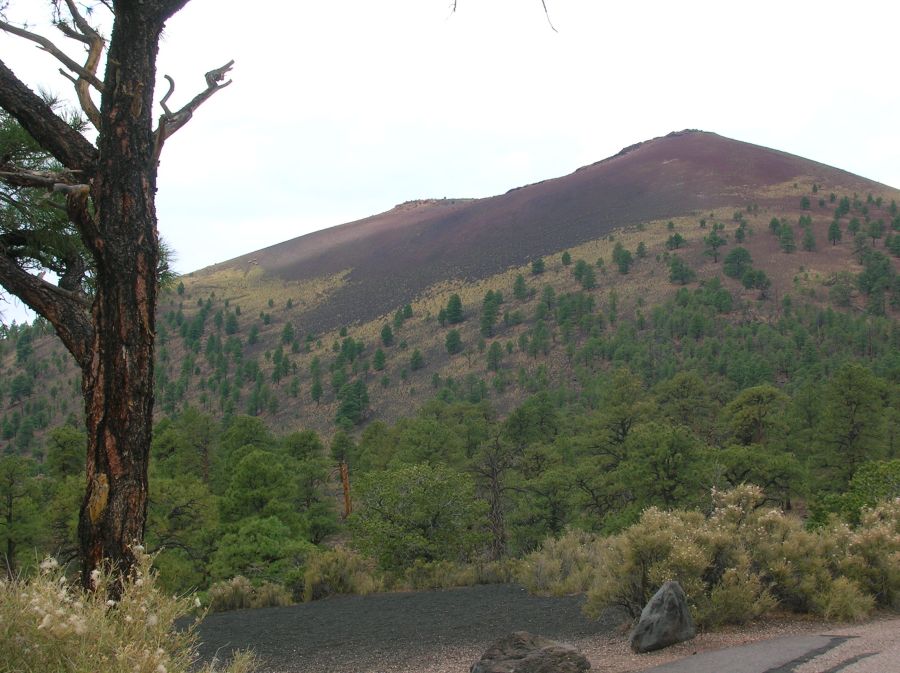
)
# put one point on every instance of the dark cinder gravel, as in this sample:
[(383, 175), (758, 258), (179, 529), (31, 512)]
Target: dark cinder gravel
[(393, 631)]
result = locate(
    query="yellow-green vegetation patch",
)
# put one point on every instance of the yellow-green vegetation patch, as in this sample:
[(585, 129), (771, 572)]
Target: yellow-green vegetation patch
[(256, 291)]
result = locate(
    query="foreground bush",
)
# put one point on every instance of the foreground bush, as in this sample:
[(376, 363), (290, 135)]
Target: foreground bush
[(735, 564), (47, 625)]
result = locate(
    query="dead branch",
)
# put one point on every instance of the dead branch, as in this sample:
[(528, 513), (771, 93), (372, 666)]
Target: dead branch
[(55, 51), (86, 74), (543, 3), (95, 43), (21, 177), (170, 122)]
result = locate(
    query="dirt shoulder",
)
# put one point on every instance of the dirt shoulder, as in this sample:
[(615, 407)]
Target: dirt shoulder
[(611, 653)]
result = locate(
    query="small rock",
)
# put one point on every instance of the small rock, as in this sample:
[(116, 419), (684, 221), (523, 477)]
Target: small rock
[(523, 652), (665, 620)]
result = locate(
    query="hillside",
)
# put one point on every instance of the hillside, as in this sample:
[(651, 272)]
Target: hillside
[(563, 389), (387, 260), (279, 332)]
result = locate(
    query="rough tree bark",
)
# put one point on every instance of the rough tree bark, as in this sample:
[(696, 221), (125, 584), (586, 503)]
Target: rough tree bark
[(110, 199)]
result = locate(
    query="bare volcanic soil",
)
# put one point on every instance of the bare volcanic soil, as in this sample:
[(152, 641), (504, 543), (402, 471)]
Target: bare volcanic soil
[(394, 631)]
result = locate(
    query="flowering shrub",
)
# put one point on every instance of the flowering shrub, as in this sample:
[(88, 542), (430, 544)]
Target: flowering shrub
[(734, 565), (46, 624)]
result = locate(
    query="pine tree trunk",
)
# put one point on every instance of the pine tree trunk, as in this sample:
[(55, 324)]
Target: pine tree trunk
[(345, 485), (118, 376), (10, 538), (495, 514)]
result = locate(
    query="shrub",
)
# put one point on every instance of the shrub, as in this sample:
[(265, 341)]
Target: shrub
[(270, 595), (562, 565), (233, 594), (424, 575), (735, 564), (845, 601), (873, 559), (46, 624), (239, 594), (339, 571)]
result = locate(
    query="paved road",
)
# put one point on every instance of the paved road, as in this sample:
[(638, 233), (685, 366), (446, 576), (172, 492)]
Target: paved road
[(872, 648)]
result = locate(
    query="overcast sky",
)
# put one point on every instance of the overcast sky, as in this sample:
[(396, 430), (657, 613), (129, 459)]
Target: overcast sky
[(341, 109)]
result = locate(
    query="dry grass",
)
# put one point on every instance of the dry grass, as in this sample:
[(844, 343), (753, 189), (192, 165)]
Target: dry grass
[(252, 289), (47, 624)]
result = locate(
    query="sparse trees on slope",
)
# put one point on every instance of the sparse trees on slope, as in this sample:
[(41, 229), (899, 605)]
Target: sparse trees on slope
[(713, 241)]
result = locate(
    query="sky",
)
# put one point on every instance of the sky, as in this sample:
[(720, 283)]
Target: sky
[(343, 109)]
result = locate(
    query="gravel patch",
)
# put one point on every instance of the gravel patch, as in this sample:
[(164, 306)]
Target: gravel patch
[(447, 631), (433, 631)]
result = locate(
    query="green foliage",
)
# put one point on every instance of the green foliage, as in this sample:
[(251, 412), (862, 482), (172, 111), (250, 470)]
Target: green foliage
[(262, 549), (287, 333), (353, 403), (387, 335), (834, 231), (537, 266), (454, 310), (490, 310), (756, 279), (713, 241), (416, 361), (20, 519), (520, 288), (852, 427), (680, 272), (66, 448), (566, 258), (786, 238), (453, 342), (809, 240), (736, 262), (874, 481), (494, 356), (416, 512), (622, 258), (675, 241)]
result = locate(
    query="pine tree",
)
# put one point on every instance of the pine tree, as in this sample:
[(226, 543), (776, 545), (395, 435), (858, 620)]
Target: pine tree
[(454, 310), (387, 335), (453, 342), (378, 360), (834, 231), (520, 288)]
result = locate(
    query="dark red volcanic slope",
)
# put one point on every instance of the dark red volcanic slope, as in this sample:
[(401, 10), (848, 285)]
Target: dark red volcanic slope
[(396, 255)]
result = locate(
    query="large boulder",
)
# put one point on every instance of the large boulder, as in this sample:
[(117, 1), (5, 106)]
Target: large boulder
[(523, 652), (665, 620)]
